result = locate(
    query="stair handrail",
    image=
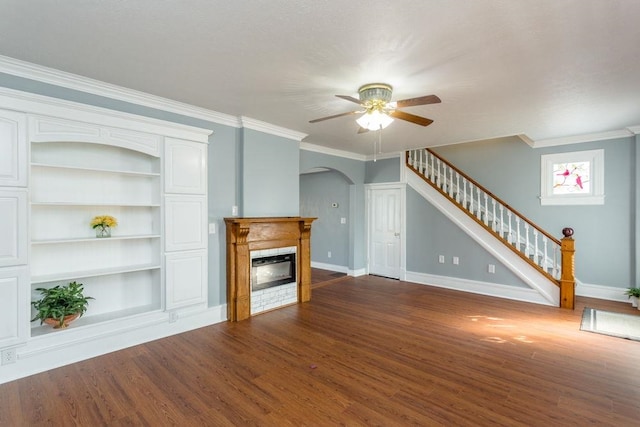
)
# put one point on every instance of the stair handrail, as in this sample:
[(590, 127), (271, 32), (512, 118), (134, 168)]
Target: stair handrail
[(484, 190), (562, 271)]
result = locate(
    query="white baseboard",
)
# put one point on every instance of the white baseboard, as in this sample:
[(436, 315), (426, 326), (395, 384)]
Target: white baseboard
[(339, 269), (330, 267), (357, 273), (477, 287), (601, 292), (52, 351)]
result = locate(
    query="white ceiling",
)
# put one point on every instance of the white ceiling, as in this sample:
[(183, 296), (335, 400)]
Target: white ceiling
[(545, 68)]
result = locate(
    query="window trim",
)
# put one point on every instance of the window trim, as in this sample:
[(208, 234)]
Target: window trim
[(596, 176)]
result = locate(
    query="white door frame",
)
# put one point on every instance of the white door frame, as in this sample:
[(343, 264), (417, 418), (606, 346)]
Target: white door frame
[(369, 190)]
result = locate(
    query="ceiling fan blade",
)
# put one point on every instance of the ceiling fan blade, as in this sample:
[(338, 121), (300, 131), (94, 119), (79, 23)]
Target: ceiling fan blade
[(362, 130), (422, 121), (421, 100), (334, 116), (349, 98)]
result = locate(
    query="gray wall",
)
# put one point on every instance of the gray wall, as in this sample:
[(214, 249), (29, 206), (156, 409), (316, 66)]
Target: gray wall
[(325, 195), (354, 172), (430, 234), (384, 170), (225, 179), (605, 234), (270, 175)]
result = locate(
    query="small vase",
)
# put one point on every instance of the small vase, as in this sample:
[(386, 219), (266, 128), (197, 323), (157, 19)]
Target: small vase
[(103, 231), (634, 302)]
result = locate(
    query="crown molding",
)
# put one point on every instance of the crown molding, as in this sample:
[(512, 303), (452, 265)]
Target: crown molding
[(634, 129), (27, 102), (249, 123), (332, 151), (55, 77), (382, 156), (589, 137)]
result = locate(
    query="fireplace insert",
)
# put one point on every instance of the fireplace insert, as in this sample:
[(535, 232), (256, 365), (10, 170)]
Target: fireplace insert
[(270, 271)]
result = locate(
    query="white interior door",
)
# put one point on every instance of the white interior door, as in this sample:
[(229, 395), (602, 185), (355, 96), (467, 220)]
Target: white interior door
[(385, 232)]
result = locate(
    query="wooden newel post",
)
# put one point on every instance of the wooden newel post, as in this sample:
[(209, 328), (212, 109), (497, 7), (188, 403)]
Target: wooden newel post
[(568, 277)]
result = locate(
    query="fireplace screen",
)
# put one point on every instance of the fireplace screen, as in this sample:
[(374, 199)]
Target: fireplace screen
[(272, 271)]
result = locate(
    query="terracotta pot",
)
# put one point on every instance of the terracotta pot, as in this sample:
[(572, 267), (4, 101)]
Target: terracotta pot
[(65, 322)]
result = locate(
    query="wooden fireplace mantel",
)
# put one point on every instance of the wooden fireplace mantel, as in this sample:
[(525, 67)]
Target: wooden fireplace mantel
[(250, 234)]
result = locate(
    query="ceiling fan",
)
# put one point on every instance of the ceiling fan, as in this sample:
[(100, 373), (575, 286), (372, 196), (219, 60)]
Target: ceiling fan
[(378, 109)]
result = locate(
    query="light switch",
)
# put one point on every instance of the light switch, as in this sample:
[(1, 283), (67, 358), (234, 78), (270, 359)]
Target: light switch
[(212, 228), (343, 220)]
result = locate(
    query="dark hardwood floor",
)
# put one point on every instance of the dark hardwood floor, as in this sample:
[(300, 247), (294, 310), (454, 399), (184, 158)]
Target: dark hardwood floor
[(364, 351), (320, 277)]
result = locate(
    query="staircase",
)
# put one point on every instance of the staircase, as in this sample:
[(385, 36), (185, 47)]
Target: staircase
[(542, 252)]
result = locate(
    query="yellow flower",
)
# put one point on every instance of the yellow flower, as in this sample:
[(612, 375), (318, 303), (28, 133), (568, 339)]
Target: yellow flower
[(104, 221)]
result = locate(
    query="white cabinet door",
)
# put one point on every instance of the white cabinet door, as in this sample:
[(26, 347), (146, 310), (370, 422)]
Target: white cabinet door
[(185, 166), (13, 227), (186, 279), (185, 223), (13, 149), (14, 306)]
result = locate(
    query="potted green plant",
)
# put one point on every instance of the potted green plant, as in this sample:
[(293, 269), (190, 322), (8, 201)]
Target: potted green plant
[(61, 304), (633, 294)]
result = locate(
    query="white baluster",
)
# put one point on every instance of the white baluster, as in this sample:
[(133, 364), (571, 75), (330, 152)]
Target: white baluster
[(458, 187), (486, 209), (421, 164), (501, 208), (545, 264), (518, 233), (438, 173), (493, 217), (451, 182), (527, 252), (464, 193), (479, 207), (432, 166), (509, 230), (535, 246)]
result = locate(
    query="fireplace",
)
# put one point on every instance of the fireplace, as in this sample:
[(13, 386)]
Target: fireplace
[(271, 271), (282, 244)]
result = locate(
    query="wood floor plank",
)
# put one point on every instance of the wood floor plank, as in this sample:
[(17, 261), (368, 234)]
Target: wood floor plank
[(364, 351)]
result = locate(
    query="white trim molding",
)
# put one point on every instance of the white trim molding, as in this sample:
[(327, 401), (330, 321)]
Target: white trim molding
[(43, 353), (579, 139), (67, 80), (265, 127), (601, 292), (52, 76), (477, 287), (332, 151)]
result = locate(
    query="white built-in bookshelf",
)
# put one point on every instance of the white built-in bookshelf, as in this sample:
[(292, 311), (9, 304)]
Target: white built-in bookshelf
[(72, 182), (62, 164)]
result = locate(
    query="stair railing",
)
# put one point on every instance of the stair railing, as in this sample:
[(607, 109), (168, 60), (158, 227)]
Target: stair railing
[(529, 241)]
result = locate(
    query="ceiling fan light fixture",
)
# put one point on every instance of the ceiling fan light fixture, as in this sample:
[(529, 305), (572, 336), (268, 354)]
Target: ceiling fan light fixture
[(380, 92), (374, 120)]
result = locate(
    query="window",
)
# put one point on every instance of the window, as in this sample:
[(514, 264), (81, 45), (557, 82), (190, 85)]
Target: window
[(575, 178)]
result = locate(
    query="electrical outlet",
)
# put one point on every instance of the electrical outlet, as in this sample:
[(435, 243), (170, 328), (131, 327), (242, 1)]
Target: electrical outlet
[(234, 210), (8, 356), (329, 254), (343, 220), (173, 316), (492, 268), (441, 259), (456, 260)]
